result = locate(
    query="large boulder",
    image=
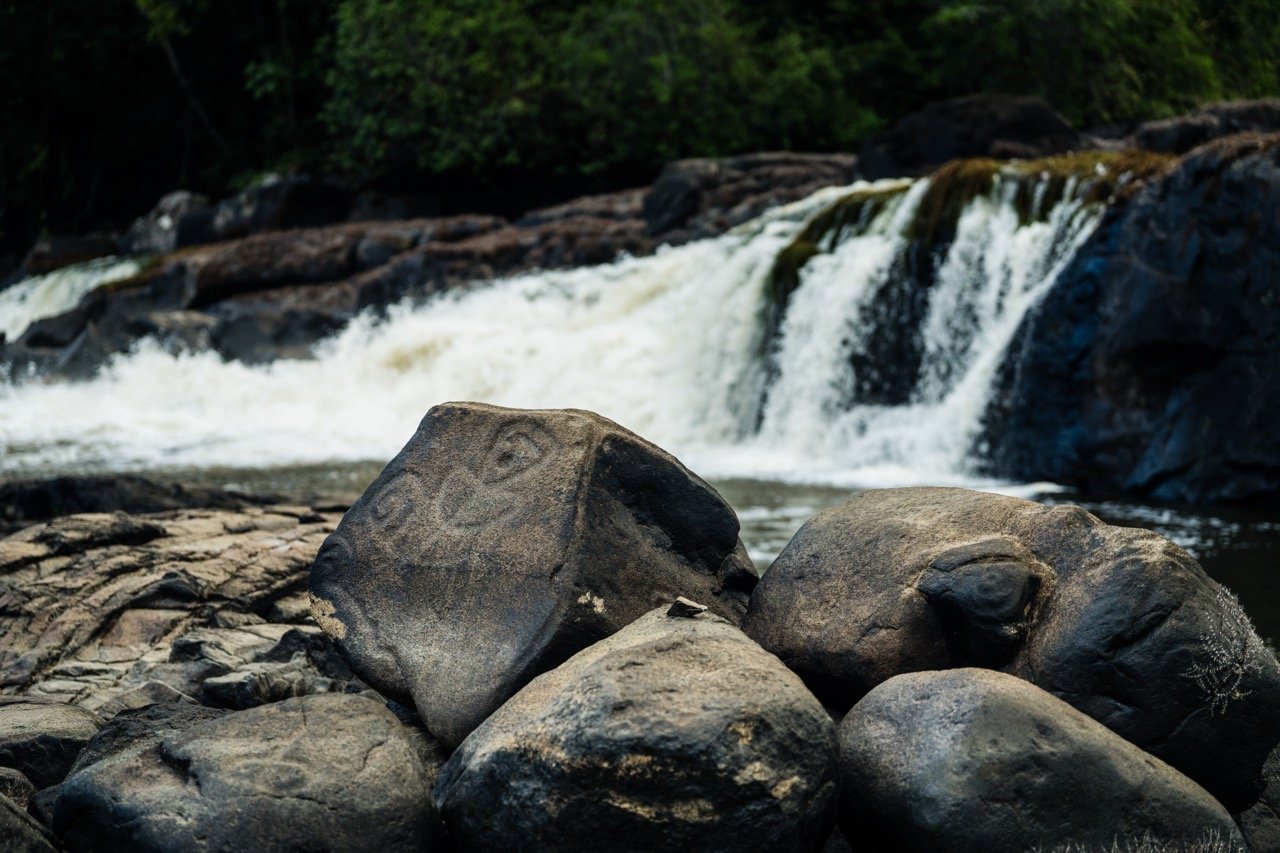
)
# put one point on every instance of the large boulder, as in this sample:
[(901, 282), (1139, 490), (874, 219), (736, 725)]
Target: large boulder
[(676, 733), (1151, 367), (1260, 823), (157, 232), (999, 126), (1119, 622), (972, 759), (41, 739), (501, 541), (20, 833), (320, 773)]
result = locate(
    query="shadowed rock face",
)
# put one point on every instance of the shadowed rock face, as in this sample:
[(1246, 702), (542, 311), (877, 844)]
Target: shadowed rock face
[(971, 759), (500, 541), (676, 733), (1120, 623)]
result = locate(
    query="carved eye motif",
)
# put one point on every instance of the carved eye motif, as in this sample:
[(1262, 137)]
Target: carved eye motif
[(516, 449), (394, 502), (335, 556)]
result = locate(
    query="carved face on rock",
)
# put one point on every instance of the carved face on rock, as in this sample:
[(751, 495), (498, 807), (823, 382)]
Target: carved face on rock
[(1120, 623), (501, 541)]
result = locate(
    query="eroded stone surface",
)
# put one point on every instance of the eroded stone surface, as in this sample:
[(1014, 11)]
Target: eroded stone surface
[(320, 773), (90, 605), (41, 739), (501, 541), (971, 759), (676, 733), (1119, 622)]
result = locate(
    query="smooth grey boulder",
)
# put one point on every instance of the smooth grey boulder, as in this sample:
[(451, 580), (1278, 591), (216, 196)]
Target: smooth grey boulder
[(676, 733), (318, 773), (1119, 622), (41, 739), (501, 541), (971, 759)]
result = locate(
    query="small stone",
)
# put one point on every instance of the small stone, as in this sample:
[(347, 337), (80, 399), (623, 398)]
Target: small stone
[(683, 608)]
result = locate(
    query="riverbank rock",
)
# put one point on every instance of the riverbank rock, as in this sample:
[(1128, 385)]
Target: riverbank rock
[(1180, 134), (41, 739), (998, 126), (24, 502), (972, 759), (1151, 366), (501, 541), (322, 773), (106, 611), (1119, 622), (676, 733)]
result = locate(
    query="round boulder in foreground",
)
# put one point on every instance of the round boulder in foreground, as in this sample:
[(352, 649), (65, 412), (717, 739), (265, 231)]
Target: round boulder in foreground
[(41, 738), (1119, 622), (970, 759), (676, 733), (318, 773)]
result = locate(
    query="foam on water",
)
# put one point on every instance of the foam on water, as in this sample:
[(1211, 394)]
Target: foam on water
[(671, 346)]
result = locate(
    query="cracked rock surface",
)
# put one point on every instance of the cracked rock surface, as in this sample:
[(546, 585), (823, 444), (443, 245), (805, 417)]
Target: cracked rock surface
[(316, 773)]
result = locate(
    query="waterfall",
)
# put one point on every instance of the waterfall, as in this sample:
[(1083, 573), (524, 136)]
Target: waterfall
[(850, 338), (38, 297)]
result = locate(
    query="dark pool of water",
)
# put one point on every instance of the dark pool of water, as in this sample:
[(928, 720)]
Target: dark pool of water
[(1239, 547)]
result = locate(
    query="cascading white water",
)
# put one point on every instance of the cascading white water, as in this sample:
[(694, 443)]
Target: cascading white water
[(35, 298), (669, 345)]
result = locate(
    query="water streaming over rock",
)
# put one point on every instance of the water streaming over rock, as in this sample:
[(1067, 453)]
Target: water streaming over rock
[(51, 294), (850, 338)]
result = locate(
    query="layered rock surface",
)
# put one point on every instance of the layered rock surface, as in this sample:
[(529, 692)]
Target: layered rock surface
[(674, 733), (501, 541)]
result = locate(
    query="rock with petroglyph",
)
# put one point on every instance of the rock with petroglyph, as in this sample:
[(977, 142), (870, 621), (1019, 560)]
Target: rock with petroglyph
[(1119, 622), (320, 773), (971, 759), (676, 733), (501, 541)]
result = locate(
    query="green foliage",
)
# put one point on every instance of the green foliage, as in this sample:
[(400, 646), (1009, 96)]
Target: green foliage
[(108, 105)]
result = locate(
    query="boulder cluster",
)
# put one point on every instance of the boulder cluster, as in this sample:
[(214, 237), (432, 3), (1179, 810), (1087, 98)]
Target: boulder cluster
[(538, 631)]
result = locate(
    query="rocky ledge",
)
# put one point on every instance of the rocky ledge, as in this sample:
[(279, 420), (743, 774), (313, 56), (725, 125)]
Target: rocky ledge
[(536, 630)]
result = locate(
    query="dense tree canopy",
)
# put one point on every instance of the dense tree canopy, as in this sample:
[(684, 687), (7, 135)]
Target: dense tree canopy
[(107, 105)]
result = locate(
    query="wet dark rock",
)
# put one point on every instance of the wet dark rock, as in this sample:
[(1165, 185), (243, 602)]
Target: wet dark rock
[(323, 773), (15, 785), (673, 734), (501, 541), (52, 253), (1118, 622), (41, 739), (1180, 134), (24, 502), (999, 126), (20, 833), (971, 759), (157, 232), (1260, 823), (1151, 366), (697, 198), (260, 332), (275, 204)]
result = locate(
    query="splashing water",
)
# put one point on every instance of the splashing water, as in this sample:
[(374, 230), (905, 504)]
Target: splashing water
[(53, 293), (672, 346)]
